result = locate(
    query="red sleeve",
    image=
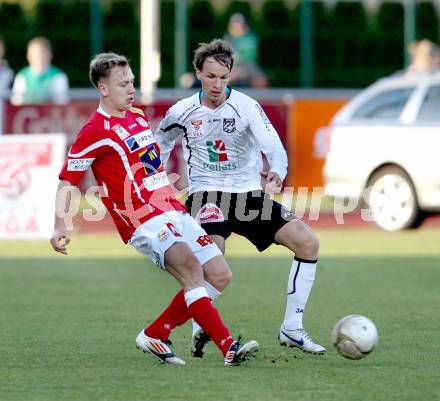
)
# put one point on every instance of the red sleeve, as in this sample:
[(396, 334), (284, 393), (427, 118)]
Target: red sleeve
[(83, 152)]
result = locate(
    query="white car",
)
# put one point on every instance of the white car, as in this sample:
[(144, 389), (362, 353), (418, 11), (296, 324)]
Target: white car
[(384, 150)]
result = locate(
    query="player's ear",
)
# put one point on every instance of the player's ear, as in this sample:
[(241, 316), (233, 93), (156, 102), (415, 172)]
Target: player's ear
[(199, 74), (102, 88)]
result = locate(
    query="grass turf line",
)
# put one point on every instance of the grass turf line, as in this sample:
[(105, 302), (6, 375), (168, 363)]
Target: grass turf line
[(68, 323)]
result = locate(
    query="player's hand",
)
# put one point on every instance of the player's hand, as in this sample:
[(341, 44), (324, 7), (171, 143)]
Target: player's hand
[(60, 240), (271, 181)]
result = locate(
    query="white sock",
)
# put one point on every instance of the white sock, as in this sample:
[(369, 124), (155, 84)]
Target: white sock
[(301, 278), (194, 295), (213, 293)]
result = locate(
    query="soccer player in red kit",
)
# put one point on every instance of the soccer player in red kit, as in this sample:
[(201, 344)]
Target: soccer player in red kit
[(118, 145)]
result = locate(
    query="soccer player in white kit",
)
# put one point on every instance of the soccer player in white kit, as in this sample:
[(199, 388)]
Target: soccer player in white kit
[(223, 134)]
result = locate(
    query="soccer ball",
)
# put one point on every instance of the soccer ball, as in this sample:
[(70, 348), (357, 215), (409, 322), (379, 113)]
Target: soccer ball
[(354, 336)]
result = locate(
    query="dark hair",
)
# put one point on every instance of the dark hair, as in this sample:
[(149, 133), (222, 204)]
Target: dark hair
[(102, 63), (218, 49)]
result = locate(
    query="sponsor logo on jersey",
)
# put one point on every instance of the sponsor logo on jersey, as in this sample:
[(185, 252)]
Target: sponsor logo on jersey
[(156, 181), (186, 111), (219, 167), (210, 213), (150, 159), (79, 164), (106, 125), (288, 215), (204, 240), (263, 116), (121, 131), (157, 259), (217, 151), (131, 126), (153, 167), (229, 125), (139, 140), (197, 127), (141, 121)]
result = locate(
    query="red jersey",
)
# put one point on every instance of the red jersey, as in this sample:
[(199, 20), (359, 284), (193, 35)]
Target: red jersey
[(125, 160)]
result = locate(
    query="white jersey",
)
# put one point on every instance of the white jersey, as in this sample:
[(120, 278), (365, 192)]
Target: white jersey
[(222, 146)]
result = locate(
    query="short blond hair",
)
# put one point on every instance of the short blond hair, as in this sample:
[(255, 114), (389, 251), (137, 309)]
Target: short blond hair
[(102, 64)]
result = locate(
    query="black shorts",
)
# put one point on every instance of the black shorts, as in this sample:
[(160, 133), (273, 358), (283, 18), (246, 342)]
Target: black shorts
[(253, 215)]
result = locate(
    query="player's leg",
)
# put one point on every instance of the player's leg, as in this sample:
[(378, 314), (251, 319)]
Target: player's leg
[(196, 297), (184, 266), (300, 239), (276, 224), (153, 239), (208, 255), (192, 301), (219, 240), (219, 273), (210, 209)]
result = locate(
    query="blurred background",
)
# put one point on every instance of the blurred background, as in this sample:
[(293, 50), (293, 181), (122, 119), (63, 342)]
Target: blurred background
[(302, 43), (302, 60)]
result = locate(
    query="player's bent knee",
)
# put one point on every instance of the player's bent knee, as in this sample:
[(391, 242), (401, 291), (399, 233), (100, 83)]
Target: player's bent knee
[(314, 244), (300, 239), (309, 246), (217, 273), (223, 280)]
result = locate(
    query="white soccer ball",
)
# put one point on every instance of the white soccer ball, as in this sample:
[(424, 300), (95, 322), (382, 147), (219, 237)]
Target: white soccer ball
[(355, 336)]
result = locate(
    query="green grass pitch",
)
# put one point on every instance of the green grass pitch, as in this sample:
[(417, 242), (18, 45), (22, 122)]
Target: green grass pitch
[(68, 324)]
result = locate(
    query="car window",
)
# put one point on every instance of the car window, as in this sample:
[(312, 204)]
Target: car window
[(385, 105), (430, 109)]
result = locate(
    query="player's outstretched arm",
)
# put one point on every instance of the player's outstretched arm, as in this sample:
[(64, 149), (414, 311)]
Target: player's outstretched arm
[(61, 234)]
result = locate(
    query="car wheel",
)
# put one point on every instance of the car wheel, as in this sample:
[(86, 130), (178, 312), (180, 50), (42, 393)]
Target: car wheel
[(392, 200)]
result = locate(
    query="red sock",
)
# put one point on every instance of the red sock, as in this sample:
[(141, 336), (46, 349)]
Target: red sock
[(203, 312), (175, 314), (206, 315)]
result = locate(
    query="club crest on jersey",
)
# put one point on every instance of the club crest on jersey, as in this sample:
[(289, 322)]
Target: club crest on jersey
[(229, 125), (162, 235), (121, 131), (197, 127), (141, 121)]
